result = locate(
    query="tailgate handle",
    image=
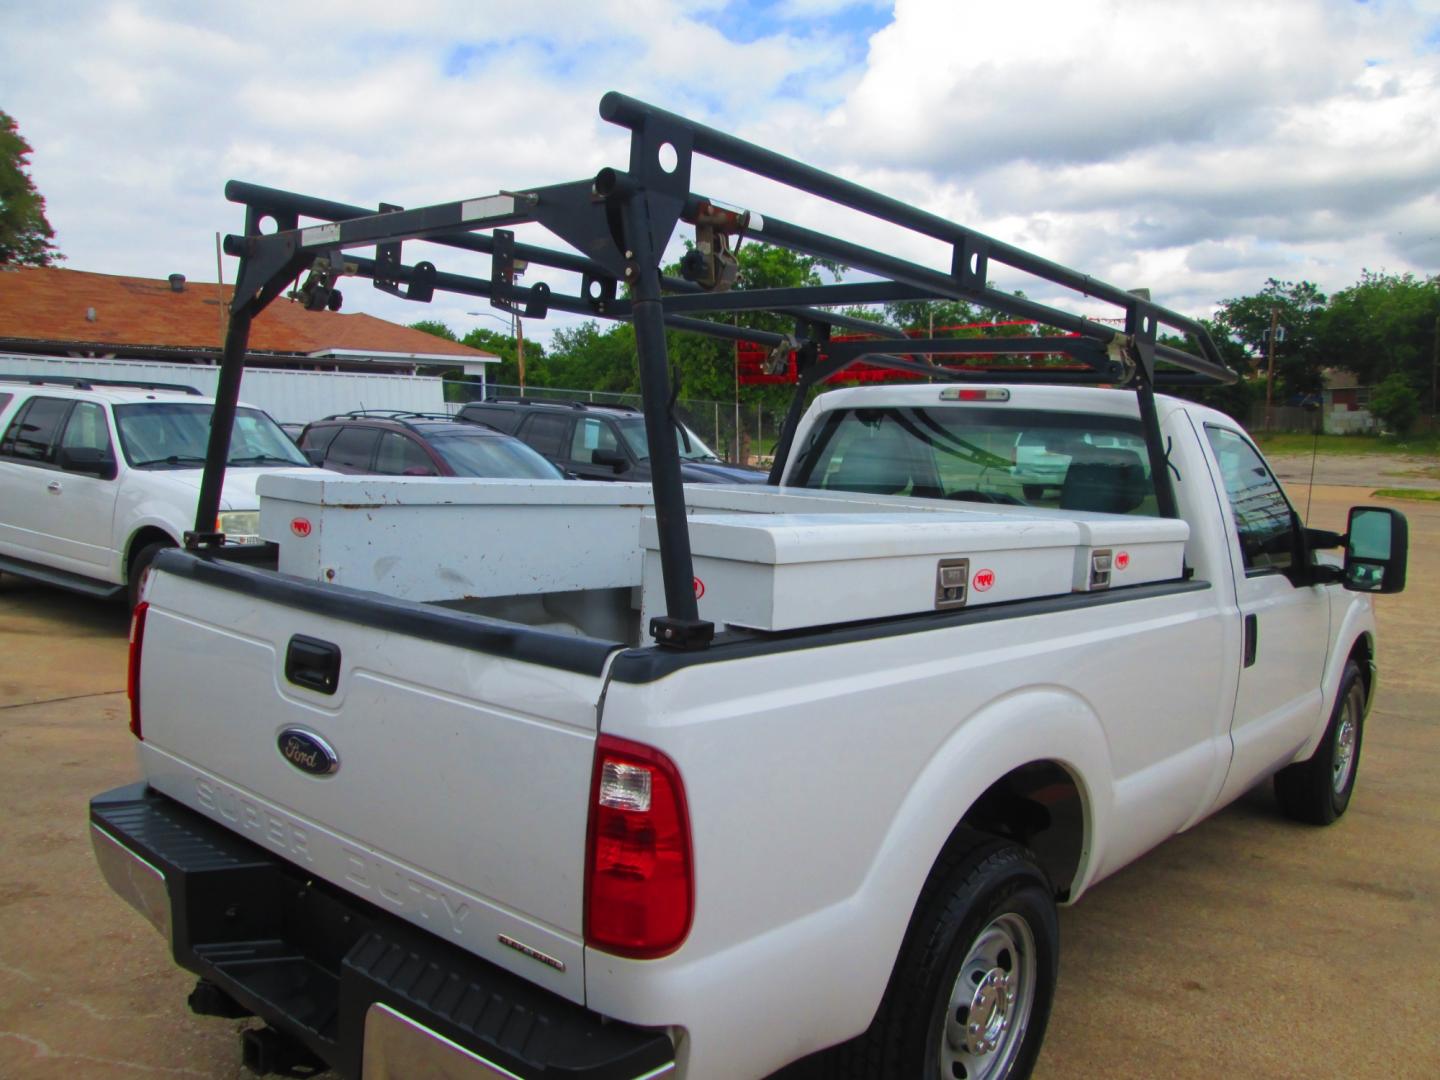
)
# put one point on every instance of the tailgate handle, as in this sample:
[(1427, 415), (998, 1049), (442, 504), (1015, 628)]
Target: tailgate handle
[(313, 664)]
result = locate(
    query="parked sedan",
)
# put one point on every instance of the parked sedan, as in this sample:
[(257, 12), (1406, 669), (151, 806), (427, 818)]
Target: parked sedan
[(415, 444)]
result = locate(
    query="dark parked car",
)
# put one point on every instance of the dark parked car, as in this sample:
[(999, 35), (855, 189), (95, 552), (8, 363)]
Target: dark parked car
[(420, 444), (601, 442)]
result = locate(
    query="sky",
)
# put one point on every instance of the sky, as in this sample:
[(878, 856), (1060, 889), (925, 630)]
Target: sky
[(1194, 147)]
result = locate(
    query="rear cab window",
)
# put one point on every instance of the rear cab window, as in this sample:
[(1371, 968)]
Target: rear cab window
[(1027, 457)]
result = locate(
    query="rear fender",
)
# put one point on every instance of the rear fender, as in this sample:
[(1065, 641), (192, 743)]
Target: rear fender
[(826, 971)]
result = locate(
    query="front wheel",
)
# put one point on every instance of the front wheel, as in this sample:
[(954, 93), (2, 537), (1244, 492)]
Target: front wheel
[(1317, 791), (971, 992)]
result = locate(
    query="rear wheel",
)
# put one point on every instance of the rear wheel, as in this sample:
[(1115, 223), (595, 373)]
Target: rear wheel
[(140, 569), (1318, 790), (971, 992)]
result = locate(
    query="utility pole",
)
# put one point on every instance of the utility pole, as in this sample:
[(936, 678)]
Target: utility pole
[(1270, 368), (520, 351)]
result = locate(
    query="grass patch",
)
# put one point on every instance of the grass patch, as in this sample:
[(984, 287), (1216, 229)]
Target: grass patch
[(1295, 443), (1406, 493)]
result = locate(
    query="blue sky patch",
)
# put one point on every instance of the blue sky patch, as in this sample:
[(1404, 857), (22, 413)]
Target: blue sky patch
[(470, 59), (744, 21)]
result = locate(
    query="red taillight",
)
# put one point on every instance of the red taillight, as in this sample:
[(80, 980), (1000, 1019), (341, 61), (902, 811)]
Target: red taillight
[(132, 681), (639, 877)]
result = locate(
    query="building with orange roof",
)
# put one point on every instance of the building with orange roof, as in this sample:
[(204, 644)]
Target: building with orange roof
[(58, 312)]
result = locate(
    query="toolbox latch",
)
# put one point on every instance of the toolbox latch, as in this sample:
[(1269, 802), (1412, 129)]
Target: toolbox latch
[(952, 579), (1100, 564)]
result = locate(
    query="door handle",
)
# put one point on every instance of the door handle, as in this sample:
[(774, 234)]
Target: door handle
[(1252, 638), (313, 664), (54, 487)]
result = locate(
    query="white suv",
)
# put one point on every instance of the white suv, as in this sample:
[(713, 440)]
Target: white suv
[(96, 479)]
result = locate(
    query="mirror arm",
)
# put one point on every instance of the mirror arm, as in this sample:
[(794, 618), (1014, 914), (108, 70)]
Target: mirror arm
[(1322, 539)]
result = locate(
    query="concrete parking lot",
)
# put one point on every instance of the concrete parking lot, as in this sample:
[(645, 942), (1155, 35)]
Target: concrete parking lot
[(1248, 947)]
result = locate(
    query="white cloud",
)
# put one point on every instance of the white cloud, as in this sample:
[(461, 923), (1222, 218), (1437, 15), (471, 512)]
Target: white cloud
[(1197, 147)]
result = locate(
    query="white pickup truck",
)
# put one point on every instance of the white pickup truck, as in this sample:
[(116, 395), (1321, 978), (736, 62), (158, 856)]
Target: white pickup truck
[(618, 781)]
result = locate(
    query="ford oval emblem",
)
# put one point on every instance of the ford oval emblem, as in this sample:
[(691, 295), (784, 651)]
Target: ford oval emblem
[(308, 752)]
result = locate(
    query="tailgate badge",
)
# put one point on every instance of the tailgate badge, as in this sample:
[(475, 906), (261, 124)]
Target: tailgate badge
[(308, 752)]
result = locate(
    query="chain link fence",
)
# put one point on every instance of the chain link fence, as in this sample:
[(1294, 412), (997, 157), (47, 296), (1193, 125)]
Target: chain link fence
[(736, 432)]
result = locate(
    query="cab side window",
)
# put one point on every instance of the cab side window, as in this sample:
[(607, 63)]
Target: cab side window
[(545, 432), (402, 456), (1263, 516), (318, 439), (31, 435), (591, 435), (87, 429), (353, 448)]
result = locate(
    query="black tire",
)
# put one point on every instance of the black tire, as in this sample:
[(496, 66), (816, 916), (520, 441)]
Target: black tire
[(1317, 791), (986, 905), (1033, 491), (140, 566)]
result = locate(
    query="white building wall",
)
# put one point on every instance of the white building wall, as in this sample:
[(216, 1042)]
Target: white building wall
[(288, 396)]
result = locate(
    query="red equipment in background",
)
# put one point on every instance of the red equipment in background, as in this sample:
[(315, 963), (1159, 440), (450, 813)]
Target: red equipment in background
[(751, 359)]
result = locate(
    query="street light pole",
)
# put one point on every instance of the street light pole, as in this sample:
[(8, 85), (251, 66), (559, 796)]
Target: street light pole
[(517, 332), (1270, 369)]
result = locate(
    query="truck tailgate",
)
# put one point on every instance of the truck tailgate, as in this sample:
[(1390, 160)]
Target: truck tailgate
[(463, 746)]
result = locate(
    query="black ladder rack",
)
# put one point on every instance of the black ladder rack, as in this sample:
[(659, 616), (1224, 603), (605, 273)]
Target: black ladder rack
[(616, 226)]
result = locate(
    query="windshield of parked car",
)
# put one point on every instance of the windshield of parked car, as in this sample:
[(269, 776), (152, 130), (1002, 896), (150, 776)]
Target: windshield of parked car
[(1057, 460), (479, 454), (632, 430), (175, 434)]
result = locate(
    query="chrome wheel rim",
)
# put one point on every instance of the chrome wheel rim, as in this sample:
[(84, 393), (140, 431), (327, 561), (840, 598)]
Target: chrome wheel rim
[(1344, 757), (990, 1003)]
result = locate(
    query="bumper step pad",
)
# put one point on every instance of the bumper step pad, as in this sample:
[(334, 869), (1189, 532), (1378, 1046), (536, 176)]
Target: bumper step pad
[(312, 960)]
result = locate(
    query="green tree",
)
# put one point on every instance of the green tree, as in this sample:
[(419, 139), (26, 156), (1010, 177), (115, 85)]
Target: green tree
[(507, 371), (26, 238), (1385, 324), (434, 327), (1235, 400), (1395, 403), (705, 366), (1297, 308), (922, 315), (594, 357)]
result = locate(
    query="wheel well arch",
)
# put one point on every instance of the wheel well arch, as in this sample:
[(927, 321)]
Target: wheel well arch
[(149, 534), (1363, 653), (1041, 806)]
